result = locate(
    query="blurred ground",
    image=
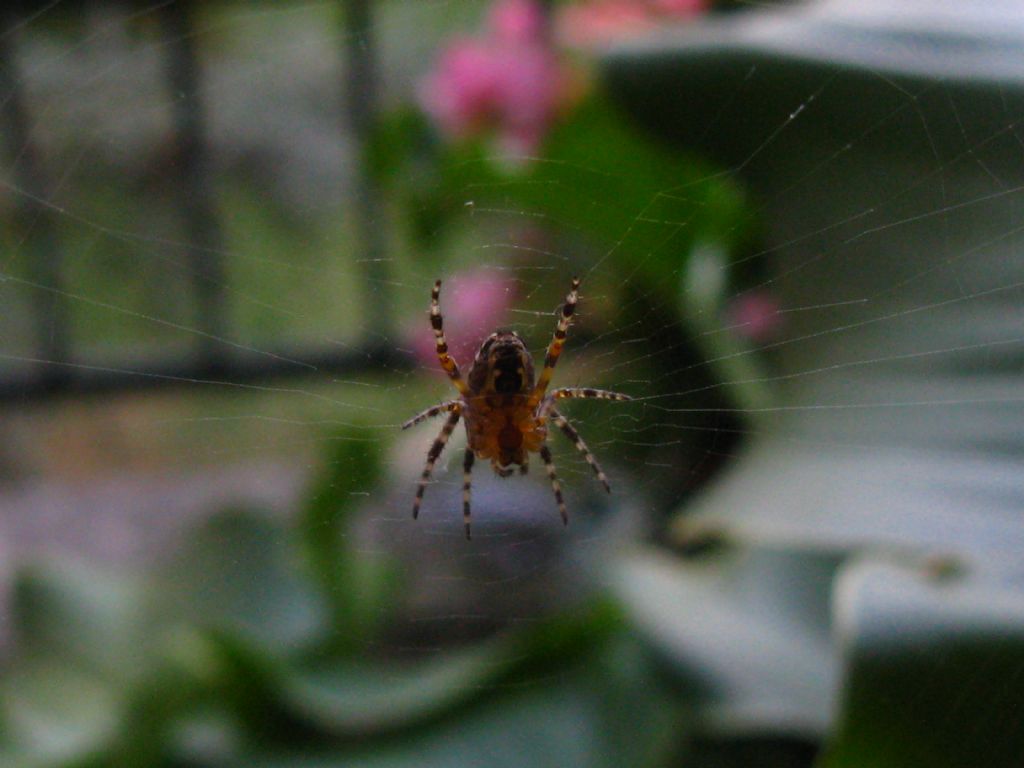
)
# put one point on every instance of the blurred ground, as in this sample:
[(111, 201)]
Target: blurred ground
[(119, 481)]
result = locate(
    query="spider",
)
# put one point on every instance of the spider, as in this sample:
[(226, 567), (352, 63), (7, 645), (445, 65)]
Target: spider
[(505, 411)]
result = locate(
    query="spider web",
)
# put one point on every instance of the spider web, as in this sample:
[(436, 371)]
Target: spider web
[(121, 478)]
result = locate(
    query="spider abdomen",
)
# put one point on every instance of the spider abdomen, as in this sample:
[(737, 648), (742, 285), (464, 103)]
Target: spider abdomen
[(510, 439), (504, 429)]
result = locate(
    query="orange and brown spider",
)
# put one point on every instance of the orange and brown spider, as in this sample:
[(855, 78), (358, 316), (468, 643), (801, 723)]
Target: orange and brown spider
[(506, 413)]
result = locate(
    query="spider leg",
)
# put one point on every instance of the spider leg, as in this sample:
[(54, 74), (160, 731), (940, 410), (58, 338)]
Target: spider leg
[(563, 393), (557, 342), (563, 424), (503, 471), (446, 360), (432, 454), (525, 466), (467, 469), (549, 465), (434, 410)]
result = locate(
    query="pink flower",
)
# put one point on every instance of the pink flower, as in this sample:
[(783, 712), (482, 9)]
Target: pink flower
[(473, 305), (755, 315), (517, 21), (595, 23), (508, 81), (681, 8)]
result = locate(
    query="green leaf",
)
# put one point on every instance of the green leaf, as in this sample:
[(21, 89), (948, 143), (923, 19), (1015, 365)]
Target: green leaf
[(84, 616), (357, 587), (397, 139), (97, 669), (645, 200), (748, 630), (205, 736), (598, 176), (641, 202), (354, 698), (605, 711), (54, 712), (933, 670), (406, 154), (238, 574), (366, 697), (701, 303)]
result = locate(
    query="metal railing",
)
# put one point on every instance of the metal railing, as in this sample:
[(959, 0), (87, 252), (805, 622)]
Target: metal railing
[(55, 370)]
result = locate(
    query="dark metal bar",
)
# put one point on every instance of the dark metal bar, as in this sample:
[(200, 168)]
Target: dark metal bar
[(194, 184), (54, 374), (34, 224), (360, 114), (268, 368), (164, 372)]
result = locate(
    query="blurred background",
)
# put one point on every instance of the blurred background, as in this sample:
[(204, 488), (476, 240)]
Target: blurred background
[(797, 230)]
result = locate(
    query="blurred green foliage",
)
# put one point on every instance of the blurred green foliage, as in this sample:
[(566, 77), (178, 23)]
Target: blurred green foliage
[(254, 646), (644, 205), (262, 644)]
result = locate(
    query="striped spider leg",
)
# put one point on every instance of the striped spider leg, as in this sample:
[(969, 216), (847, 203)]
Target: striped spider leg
[(554, 351), (547, 410), (549, 465), (454, 408), (545, 402), (432, 455), (441, 343), (557, 342), (570, 432), (467, 472), (435, 410), (578, 393), (564, 393)]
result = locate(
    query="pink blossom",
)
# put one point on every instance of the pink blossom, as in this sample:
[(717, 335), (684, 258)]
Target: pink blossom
[(681, 8), (473, 304), (509, 80), (595, 23), (584, 25), (517, 21), (755, 315)]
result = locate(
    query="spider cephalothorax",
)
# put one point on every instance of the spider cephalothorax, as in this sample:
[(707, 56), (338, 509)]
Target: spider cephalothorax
[(505, 410)]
